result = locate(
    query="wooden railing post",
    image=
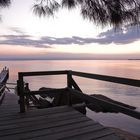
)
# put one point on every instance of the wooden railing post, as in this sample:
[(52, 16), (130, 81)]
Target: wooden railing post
[(27, 96), (69, 85), (20, 88), (69, 77)]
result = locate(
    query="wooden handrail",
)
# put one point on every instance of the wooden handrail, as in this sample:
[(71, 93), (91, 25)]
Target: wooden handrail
[(4, 75), (2, 88), (11, 83), (119, 80), (75, 85), (108, 104), (2, 97), (41, 73)]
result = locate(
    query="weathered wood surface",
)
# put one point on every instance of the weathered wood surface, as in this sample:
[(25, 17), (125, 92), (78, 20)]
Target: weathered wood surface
[(4, 75), (2, 97), (52, 123), (108, 105), (113, 79), (102, 108), (42, 73)]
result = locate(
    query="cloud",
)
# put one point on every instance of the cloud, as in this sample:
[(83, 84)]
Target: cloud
[(44, 41), (16, 30), (23, 40), (128, 35)]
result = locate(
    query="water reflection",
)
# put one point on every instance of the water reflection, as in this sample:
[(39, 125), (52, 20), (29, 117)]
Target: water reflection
[(46, 81), (117, 120)]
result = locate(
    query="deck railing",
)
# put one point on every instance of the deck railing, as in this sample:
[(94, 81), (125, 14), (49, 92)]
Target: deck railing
[(73, 88), (2, 88), (2, 93), (4, 75)]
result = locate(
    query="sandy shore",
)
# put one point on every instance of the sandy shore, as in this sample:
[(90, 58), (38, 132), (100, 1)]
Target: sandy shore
[(126, 135)]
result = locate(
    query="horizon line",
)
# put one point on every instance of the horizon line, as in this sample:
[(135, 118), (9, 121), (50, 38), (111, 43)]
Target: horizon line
[(26, 59)]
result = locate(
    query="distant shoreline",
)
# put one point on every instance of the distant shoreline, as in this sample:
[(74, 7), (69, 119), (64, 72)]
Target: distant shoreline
[(133, 59), (58, 59)]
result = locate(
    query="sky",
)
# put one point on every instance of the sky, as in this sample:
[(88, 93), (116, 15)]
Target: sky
[(67, 35)]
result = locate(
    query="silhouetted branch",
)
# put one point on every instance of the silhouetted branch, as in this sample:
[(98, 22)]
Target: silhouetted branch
[(101, 12), (46, 7), (69, 3), (4, 3)]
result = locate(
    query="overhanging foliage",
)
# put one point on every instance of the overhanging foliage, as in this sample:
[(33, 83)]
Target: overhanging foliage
[(101, 12)]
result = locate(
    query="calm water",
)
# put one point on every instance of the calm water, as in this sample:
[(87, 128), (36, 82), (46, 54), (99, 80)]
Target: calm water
[(122, 68)]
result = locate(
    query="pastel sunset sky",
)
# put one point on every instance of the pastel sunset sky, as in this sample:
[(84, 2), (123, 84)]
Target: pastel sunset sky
[(64, 36)]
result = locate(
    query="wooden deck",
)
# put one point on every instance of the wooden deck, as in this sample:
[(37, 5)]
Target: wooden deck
[(51, 124)]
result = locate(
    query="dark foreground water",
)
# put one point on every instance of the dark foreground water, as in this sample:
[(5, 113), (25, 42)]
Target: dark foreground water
[(122, 68)]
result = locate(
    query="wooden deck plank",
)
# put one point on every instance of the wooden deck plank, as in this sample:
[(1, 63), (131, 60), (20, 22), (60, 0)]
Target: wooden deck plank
[(95, 134), (51, 129), (37, 127), (40, 122), (56, 130), (110, 137), (38, 112), (73, 133), (51, 134), (32, 113), (52, 117), (36, 118), (52, 123)]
